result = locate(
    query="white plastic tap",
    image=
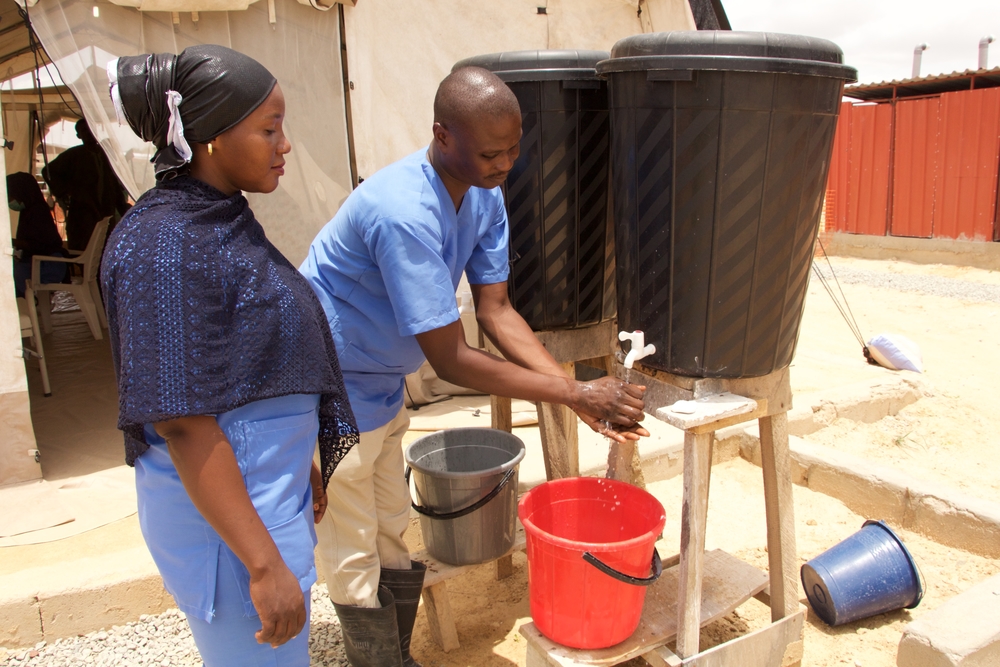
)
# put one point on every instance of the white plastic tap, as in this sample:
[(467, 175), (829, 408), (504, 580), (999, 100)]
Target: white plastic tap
[(639, 348)]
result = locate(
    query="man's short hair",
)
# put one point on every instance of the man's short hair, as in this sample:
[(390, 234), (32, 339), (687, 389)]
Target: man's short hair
[(473, 92)]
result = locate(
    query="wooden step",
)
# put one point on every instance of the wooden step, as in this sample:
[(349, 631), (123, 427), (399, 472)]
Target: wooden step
[(728, 582)]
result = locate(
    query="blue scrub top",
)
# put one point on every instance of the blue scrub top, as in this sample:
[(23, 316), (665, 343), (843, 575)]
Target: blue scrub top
[(273, 440), (387, 267)]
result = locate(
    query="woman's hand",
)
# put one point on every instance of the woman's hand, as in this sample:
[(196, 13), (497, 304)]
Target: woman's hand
[(320, 499), (611, 407), (279, 602)]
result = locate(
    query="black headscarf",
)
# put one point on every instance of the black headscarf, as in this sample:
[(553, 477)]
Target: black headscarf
[(219, 86), (204, 314)]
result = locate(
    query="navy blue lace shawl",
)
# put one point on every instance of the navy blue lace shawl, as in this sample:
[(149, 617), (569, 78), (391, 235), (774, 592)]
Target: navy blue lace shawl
[(205, 316)]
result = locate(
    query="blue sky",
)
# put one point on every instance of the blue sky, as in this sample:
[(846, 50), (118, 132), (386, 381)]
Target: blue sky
[(878, 36)]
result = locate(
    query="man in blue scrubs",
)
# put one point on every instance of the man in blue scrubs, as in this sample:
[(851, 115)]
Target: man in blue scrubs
[(386, 269)]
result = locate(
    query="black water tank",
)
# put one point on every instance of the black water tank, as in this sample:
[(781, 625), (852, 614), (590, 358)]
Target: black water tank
[(562, 262), (721, 144)]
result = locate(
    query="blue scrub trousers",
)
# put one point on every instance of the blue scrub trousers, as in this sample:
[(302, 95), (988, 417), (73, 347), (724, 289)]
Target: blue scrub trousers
[(273, 441), (229, 638)]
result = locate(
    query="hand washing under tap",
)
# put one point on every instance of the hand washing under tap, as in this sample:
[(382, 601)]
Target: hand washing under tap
[(639, 348)]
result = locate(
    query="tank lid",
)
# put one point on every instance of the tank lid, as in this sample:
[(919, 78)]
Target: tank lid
[(728, 50), (544, 65)]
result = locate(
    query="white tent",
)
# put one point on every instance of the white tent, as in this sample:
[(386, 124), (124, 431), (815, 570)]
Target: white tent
[(346, 117)]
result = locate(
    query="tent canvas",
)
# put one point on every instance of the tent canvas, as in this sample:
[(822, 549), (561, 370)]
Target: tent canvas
[(344, 118)]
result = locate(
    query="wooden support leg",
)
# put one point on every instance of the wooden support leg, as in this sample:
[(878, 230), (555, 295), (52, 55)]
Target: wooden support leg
[(500, 413), (694, 515), (781, 554), (505, 566), (557, 424), (439, 617), (620, 461)]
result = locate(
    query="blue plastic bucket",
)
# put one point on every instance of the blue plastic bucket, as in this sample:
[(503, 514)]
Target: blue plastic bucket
[(869, 573)]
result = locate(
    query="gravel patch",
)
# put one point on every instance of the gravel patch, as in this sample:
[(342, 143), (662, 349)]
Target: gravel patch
[(165, 641), (952, 288)]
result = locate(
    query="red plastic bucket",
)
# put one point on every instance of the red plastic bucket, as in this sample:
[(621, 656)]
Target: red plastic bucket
[(590, 558)]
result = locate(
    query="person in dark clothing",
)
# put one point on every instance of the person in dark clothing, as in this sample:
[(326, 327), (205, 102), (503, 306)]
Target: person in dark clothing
[(86, 187), (36, 231)]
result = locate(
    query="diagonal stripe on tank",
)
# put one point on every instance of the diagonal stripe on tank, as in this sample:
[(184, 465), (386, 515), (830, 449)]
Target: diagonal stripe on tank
[(803, 244), (593, 124), (558, 150), (743, 163), (777, 220)]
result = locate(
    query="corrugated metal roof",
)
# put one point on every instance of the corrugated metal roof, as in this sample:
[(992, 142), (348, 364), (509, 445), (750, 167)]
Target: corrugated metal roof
[(926, 85)]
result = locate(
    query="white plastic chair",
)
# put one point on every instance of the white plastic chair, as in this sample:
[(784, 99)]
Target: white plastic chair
[(30, 330), (84, 290)]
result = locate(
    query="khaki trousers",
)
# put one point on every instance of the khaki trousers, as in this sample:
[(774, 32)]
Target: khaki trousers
[(367, 515)]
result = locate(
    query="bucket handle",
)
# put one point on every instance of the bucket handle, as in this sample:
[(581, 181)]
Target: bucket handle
[(656, 567), (426, 511)]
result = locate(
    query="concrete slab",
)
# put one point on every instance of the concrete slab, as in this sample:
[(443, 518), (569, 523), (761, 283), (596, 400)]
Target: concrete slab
[(945, 515), (962, 632), (982, 255)]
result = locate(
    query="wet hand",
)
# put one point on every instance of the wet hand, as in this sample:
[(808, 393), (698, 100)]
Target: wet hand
[(613, 401), (615, 432), (279, 602)]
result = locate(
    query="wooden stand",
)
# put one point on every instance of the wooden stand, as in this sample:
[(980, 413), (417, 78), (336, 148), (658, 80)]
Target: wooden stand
[(703, 587), (560, 448), (696, 587)]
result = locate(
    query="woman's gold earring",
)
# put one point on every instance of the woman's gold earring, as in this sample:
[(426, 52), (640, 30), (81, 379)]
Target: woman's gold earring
[(210, 148)]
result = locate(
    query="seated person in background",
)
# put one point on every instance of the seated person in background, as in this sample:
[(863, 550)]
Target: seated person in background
[(36, 231), (86, 187)]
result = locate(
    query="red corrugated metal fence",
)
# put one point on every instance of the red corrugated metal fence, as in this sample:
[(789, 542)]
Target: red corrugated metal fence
[(924, 167)]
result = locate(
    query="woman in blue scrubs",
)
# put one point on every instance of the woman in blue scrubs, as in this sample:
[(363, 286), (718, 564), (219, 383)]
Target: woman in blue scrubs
[(227, 372)]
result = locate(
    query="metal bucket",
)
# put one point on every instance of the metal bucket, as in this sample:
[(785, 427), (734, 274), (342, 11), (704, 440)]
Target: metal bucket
[(466, 492)]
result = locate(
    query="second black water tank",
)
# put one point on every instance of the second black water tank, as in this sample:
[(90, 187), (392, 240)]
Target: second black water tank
[(721, 144), (562, 260)]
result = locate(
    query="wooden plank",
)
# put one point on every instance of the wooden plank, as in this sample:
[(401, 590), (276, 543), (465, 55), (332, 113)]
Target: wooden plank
[(697, 465), (707, 410), (779, 508), (557, 424), (732, 421), (571, 345), (664, 389), (728, 582), (500, 413), (505, 567), (620, 460), (777, 645), (661, 656), (438, 571), (439, 617), (535, 658)]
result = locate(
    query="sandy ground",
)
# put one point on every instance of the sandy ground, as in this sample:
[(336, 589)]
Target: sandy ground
[(489, 612), (948, 436)]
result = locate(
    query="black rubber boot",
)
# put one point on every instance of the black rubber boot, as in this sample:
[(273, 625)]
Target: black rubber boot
[(371, 637), (406, 586)]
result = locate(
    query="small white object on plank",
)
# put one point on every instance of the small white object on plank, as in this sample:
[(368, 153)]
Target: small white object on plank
[(705, 410)]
